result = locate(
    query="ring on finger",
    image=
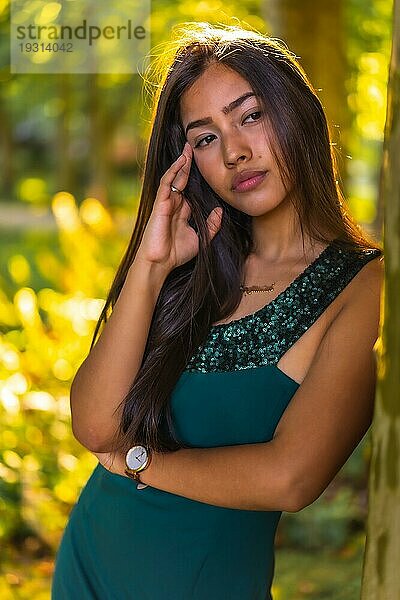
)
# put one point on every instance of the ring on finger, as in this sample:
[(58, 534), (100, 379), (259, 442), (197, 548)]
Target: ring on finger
[(174, 189)]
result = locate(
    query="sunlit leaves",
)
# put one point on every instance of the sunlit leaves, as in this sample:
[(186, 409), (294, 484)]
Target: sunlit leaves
[(370, 100), (33, 190), (368, 47), (45, 335), (19, 269)]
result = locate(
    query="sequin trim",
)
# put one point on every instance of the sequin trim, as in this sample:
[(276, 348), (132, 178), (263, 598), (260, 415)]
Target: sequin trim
[(264, 336)]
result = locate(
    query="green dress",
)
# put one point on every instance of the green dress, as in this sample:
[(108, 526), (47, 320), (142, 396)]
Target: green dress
[(121, 543)]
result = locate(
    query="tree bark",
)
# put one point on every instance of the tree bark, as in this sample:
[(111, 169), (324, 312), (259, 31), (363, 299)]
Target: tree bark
[(322, 55), (99, 135), (65, 178), (7, 152), (381, 577)]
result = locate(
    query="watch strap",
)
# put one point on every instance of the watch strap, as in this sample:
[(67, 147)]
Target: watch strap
[(135, 477)]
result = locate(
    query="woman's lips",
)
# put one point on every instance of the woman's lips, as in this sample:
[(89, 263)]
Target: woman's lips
[(250, 184)]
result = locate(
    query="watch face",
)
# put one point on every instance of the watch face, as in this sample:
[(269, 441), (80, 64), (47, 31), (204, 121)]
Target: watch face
[(136, 457)]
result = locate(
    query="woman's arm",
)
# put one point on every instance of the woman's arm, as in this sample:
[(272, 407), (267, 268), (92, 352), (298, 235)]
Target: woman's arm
[(228, 476), (324, 422), (105, 376)]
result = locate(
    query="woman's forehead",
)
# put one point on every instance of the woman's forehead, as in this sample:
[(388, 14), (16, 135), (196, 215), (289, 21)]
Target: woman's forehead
[(219, 74), (217, 87)]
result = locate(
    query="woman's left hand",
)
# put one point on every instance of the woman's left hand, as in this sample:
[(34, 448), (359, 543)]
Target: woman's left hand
[(115, 463)]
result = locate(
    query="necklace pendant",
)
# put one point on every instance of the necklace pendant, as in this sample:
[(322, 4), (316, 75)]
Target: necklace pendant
[(247, 290)]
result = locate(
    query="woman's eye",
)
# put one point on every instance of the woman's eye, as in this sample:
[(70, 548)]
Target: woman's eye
[(203, 139), (257, 112), (256, 116)]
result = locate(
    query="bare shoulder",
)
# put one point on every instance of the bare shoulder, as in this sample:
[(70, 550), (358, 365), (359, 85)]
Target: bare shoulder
[(363, 290), (363, 297), (359, 307), (370, 277)]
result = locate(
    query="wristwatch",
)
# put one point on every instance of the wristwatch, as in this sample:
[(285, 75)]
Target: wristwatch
[(137, 459)]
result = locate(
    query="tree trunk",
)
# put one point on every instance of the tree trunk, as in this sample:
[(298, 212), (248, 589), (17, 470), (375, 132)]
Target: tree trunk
[(100, 135), (381, 577), (322, 55), (64, 167), (7, 153)]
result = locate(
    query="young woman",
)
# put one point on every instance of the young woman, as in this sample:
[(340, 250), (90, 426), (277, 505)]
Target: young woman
[(236, 373)]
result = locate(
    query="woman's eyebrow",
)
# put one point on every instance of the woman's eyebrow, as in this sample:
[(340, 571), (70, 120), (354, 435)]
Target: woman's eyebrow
[(226, 109)]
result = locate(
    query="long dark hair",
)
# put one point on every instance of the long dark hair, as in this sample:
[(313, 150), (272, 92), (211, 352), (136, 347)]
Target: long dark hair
[(206, 289)]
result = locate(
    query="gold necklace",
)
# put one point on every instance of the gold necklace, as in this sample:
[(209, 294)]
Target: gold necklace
[(254, 288), (247, 290)]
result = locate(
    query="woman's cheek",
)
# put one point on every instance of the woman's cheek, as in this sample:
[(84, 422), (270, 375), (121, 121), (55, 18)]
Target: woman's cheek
[(208, 172), (204, 170)]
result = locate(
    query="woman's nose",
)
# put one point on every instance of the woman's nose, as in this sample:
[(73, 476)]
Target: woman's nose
[(235, 150)]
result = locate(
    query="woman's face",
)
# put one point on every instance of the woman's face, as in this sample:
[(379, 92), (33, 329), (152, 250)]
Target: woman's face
[(227, 143)]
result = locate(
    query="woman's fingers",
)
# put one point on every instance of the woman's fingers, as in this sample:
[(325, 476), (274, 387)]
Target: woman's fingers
[(171, 173), (214, 221), (184, 210), (181, 178), (178, 172)]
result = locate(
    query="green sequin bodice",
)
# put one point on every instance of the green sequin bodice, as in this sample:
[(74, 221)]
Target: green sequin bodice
[(263, 337)]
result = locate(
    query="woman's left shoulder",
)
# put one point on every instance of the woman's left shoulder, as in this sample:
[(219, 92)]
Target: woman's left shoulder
[(370, 276), (363, 268), (362, 300)]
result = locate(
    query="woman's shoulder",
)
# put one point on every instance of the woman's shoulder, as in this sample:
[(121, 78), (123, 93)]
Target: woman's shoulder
[(371, 273), (362, 296), (362, 270)]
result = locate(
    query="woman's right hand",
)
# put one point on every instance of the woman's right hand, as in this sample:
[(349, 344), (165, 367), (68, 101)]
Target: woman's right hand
[(168, 238)]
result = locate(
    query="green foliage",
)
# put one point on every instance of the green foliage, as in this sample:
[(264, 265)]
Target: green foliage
[(52, 291), (325, 575), (326, 523), (368, 47)]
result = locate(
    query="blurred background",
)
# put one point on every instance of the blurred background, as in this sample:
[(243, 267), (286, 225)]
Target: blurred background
[(72, 151)]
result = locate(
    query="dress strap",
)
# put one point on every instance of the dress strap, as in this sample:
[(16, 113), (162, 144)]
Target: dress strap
[(263, 337)]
